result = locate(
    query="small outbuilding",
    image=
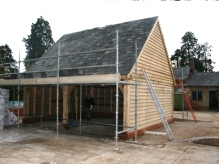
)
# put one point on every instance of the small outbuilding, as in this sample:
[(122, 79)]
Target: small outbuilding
[(202, 88)]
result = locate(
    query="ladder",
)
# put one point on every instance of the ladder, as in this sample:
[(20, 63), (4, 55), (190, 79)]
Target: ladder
[(186, 98), (158, 105)]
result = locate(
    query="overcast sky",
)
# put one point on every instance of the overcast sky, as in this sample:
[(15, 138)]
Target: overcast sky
[(65, 16)]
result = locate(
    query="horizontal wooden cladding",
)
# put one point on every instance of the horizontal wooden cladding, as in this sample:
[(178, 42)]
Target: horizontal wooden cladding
[(146, 59), (151, 57), (150, 120), (156, 36), (153, 61), (150, 109), (148, 101), (145, 115), (154, 65), (155, 50), (150, 115), (143, 88), (157, 87), (153, 44), (149, 106), (158, 70), (157, 31)]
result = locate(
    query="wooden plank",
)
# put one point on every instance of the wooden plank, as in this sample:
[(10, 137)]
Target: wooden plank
[(121, 89), (50, 100), (34, 101), (111, 100), (76, 103), (88, 79), (26, 102), (42, 103), (126, 106), (66, 92), (147, 60), (98, 98)]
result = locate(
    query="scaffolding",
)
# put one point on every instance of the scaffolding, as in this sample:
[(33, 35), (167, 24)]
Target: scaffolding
[(56, 81)]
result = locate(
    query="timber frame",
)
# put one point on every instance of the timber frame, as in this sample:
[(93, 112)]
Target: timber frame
[(67, 84)]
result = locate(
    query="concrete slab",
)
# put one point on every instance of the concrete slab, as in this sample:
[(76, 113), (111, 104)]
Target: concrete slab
[(34, 145)]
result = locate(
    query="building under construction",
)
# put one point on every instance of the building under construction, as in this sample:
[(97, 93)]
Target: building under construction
[(107, 62)]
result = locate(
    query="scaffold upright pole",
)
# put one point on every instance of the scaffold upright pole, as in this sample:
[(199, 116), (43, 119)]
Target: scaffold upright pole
[(80, 106), (136, 91), (117, 87), (18, 92), (57, 99)]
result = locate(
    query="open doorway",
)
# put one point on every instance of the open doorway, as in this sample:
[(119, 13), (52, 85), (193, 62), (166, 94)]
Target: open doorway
[(213, 100), (103, 120)]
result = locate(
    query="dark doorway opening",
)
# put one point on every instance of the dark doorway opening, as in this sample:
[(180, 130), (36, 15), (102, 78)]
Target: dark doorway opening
[(213, 100)]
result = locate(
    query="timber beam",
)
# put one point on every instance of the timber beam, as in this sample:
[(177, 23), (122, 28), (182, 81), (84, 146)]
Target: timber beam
[(88, 79)]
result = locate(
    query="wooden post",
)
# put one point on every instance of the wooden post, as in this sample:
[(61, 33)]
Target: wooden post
[(50, 100), (42, 102), (34, 101), (126, 105), (66, 92), (104, 100), (111, 99), (121, 88), (25, 109), (98, 98), (28, 103), (76, 103)]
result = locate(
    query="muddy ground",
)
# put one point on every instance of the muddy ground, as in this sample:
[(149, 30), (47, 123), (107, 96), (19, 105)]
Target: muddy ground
[(42, 146)]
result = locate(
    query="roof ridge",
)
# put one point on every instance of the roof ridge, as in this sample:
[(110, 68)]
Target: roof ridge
[(102, 27)]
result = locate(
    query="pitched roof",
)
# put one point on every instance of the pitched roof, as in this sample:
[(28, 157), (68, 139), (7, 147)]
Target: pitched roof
[(96, 40), (181, 72), (204, 79)]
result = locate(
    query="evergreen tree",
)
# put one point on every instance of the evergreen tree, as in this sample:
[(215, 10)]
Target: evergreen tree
[(188, 48), (6, 57), (191, 49), (205, 56), (10, 67), (38, 41)]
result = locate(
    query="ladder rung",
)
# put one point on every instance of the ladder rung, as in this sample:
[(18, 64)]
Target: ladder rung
[(158, 106), (187, 100)]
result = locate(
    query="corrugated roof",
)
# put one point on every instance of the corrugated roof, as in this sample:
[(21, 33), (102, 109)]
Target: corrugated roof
[(98, 39), (204, 79), (181, 72)]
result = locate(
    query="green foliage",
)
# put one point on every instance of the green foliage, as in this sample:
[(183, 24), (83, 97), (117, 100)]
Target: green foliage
[(38, 41), (205, 56), (191, 49), (6, 57)]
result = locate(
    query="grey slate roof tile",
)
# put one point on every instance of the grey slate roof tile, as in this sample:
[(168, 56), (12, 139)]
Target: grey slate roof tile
[(96, 39), (180, 72), (204, 79)]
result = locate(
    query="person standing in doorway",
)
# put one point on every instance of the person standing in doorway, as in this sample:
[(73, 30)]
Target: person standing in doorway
[(89, 104)]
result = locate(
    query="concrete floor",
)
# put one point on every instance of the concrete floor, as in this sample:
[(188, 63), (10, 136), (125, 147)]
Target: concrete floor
[(42, 146)]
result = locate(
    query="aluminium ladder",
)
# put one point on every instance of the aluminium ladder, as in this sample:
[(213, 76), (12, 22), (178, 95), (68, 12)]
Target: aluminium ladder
[(158, 105), (186, 98)]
